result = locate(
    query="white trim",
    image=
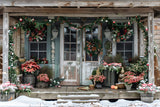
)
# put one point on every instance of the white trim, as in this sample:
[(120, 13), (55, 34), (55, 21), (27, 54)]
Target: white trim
[(142, 46)]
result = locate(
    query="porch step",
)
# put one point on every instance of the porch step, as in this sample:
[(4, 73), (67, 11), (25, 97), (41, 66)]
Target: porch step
[(78, 98)]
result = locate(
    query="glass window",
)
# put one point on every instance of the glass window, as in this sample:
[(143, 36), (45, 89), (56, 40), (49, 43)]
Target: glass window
[(70, 43), (38, 50)]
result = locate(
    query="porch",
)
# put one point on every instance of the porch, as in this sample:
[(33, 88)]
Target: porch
[(104, 93)]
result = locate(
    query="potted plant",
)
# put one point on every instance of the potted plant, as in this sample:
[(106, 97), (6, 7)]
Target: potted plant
[(7, 91), (98, 80), (130, 78), (24, 88), (147, 91), (29, 68), (43, 80), (111, 72)]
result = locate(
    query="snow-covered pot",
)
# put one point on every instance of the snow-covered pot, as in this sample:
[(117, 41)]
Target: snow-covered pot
[(147, 97), (7, 97), (29, 78)]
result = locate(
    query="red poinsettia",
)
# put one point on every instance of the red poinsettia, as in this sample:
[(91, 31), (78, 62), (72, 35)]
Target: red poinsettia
[(30, 66), (43, 77)]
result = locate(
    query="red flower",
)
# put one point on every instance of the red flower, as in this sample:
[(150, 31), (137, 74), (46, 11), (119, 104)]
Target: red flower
[(14, 27), (147, 64), (129, 23), (9, 68)]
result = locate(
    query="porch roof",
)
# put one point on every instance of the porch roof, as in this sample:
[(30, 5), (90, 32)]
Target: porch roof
[(82, 3)]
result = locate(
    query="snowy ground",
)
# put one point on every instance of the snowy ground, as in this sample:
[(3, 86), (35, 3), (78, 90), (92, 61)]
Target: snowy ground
[(23, 101)]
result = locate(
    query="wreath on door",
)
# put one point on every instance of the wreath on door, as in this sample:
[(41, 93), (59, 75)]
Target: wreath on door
[(93, 47)]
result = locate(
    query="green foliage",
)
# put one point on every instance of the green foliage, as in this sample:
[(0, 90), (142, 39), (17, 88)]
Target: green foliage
[(56, 82), (139, 67), (94, 72), (109, 59), (46, 70)]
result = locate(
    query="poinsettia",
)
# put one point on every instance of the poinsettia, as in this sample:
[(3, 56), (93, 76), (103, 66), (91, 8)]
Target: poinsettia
[(43, 77), (30, 67), (147, 88), (97, 78)]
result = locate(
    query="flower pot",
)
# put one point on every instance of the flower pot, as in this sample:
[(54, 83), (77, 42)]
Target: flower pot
[(98, 85), (42, 84), (128, 87), (7, 97), (147, 97), (29, 78)]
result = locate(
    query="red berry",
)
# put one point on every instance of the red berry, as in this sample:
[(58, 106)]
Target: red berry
[(147, 64), (114, 22)]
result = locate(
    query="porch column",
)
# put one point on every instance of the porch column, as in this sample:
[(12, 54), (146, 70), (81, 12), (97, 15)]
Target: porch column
[(135, 39), (5, 46), (150, 48), (142, 46)]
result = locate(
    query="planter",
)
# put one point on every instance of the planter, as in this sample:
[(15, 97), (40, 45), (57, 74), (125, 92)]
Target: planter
[(98, 85), (29, 78), (128, 87), (147, 97), (111, 78), (42, 84), (7, 97), (91, 87)]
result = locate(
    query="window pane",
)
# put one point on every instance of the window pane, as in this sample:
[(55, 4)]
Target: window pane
[(73, 38), (66, 38), (120, 46), (73, 47), (34, 55), (73, 30), (34, 46), (42, 46), (66, 56), (128, 46), (66, 47), (42, 55), (73, 56)]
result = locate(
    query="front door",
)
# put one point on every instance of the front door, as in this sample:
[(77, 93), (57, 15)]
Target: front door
[(69, 55)]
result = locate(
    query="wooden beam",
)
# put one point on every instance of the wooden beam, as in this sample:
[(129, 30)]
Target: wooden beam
[(79, 10), (151, 48), (82, 3), (5, 46)]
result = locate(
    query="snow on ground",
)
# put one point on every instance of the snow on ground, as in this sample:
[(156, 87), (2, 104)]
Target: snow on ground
[(24, 101)]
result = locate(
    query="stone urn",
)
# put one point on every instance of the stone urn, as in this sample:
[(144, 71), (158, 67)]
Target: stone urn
[(147, 97), (29, 78)]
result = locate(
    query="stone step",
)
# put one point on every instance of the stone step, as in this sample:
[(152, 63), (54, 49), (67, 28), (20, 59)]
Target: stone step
[(78, 98), (77, 101), (83, 97)]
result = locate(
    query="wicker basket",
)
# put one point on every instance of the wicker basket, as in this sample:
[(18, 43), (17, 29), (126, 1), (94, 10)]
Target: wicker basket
[(120, 85)]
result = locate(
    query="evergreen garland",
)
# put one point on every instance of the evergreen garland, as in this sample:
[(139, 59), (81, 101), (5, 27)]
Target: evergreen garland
[(35, 31)]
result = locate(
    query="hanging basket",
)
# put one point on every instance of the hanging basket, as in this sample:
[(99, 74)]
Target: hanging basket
[(147, 97)]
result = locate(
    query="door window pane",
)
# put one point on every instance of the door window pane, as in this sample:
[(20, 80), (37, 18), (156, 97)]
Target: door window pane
[(90, 35), (70, 43)]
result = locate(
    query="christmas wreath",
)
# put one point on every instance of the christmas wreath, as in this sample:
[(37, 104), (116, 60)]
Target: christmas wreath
[(93, 47)]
